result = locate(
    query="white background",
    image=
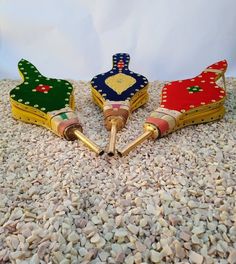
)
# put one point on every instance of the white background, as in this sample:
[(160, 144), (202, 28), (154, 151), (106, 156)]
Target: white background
[(167, 39)]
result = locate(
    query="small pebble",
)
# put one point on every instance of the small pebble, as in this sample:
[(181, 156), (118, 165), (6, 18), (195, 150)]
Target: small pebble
[(120, 232), (120, 258), (138, 258), (129, 259), (232, 256), (104, 215), (96, 220), (180, 252), (185, 236), (73, 237), (103, 256), (82, 251), (133, 229), (101, 243), (143, 222), (195, 257), (140, 246), (95, 238), (155, 256), (198, 230)]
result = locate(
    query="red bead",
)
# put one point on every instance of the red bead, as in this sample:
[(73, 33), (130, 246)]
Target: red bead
[(42, 88)]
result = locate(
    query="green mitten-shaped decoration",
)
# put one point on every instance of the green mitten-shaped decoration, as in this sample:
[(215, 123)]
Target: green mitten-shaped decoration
[(47, 102)]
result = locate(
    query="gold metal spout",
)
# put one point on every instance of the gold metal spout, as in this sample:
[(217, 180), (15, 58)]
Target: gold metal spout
[(94, 147), (135, 143), (150, 132), (112, 141)]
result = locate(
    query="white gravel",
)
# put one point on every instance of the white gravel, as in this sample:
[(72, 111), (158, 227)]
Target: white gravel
[(169, 201)]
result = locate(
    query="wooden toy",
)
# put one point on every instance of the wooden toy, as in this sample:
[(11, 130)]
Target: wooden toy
[(47, 102), (186, 102), (118, 92)]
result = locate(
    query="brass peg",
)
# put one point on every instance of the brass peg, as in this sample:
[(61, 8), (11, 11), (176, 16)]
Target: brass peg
[(149, 131), (112, 140), (91, 145)]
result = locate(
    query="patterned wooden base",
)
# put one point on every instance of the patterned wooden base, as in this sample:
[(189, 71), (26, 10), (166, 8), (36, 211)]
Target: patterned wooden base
[(186, 102), (47, 102), (118, 92)]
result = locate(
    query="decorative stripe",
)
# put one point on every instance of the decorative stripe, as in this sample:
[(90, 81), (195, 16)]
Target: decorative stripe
[(161, 124), (64, 116), (65, 124), (175, 114), (214, 70), (171, 121)]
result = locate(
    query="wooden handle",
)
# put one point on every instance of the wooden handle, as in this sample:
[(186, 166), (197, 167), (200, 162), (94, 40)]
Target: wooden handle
[(88, 142)]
